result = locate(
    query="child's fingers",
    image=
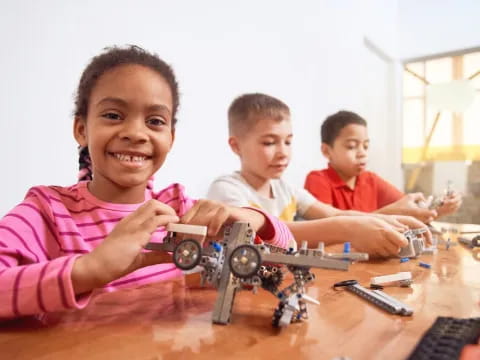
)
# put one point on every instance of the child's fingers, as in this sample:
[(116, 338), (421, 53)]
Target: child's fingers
[(425, 215), (417, 224), (396, 223), (387, 249), (416, 197), (209, 213), (428, 236), (191, 213), (151, 224), (217, 221), (149, 209), (381, 252), (396, 239)]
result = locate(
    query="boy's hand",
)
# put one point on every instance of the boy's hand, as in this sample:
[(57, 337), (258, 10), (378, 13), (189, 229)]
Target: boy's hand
[(408, 205), (409, 222), (214, 215), (375, 236), (393, 221), (121, 251), (451, 203)]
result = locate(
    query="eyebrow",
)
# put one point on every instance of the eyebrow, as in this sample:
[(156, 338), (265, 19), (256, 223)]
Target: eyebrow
[(112, 100), (121, 102), (274, 135), (356, 140)]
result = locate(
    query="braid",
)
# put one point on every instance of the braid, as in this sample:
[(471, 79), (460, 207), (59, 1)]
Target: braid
[(150, 183), (84, 163)]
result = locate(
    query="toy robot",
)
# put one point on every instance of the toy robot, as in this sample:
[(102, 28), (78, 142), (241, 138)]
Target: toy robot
[(238, 263)]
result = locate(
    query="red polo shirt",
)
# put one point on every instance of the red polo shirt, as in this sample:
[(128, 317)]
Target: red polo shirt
[(371, 192)]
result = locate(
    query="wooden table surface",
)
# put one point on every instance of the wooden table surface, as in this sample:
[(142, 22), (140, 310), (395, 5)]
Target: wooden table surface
[(169, 321)]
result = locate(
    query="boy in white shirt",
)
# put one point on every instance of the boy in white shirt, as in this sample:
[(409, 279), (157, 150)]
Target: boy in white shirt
[(261, 135)]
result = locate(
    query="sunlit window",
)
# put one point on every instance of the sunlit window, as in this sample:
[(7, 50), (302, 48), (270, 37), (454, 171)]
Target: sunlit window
[(442, 94)]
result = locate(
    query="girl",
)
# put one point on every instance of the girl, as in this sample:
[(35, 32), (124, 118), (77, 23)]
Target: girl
[(61, 243)]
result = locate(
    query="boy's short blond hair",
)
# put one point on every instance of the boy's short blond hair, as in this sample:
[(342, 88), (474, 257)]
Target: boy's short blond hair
[(246, 110)]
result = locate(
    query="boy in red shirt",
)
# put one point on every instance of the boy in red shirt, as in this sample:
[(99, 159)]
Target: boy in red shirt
[(346, 185)]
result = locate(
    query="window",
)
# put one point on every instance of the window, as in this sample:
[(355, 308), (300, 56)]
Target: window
[(447, 88)]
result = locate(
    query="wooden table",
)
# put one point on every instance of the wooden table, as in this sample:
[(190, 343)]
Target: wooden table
[(170, 321)]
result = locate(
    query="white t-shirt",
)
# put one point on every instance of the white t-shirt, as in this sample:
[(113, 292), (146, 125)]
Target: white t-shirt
[(287, 202)]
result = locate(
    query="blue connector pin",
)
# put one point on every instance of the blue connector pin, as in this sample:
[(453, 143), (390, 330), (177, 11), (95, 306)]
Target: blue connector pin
[(424, 265)]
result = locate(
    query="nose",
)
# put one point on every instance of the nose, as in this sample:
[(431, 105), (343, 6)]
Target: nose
[(134, 130), (283, 150), (361, 153)]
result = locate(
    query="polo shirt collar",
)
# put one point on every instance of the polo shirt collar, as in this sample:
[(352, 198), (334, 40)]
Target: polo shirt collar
[(337, 181)]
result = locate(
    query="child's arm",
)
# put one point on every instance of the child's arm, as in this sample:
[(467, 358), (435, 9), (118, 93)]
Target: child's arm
[(400, 223), (408, 205), (366, 233), (391, 201), (33, 277), (319, 210), (215, 214)]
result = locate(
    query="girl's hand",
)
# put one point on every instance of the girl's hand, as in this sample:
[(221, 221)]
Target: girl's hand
[(214, 215), (121, 251)]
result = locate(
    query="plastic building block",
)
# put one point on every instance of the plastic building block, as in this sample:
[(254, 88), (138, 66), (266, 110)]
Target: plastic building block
[(446, 338), (187, 229), (402, 278), (416, 245), (405, 259), (377, 297), (346, 247), (424, 265)]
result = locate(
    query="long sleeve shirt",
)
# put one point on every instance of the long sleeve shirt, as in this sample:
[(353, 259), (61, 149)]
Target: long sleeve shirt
[(42, 236)]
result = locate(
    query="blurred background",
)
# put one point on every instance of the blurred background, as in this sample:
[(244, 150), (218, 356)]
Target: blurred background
[(410, 68)]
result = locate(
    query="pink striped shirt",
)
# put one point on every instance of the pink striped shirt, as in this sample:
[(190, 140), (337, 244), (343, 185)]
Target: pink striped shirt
[(41, 238)]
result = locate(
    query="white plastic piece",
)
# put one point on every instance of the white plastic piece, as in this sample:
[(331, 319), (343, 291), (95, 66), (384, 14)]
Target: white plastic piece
[(310, 300), (289, 308), (401, 276), (187, 229), (431, 250)]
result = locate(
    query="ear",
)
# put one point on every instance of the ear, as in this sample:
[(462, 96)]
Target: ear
[(173, 139), (326, 149), (234, 145), (80, 131)]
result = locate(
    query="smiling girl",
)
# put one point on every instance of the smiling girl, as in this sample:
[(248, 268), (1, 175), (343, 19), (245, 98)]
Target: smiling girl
[(61, 243)]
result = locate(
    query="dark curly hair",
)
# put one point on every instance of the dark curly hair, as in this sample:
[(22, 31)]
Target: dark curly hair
[(110, 58), (334, 123)]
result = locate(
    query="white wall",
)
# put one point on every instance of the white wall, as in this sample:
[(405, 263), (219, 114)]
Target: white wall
[(308, 53), (430, 27)]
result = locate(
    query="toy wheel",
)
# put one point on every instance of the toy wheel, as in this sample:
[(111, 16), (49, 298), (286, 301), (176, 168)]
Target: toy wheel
[(476, 241), (187, 254), (245, 261)]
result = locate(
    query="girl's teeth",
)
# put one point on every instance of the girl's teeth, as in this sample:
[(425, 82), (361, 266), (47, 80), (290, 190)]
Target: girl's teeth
[(123, 157)]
